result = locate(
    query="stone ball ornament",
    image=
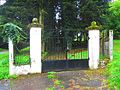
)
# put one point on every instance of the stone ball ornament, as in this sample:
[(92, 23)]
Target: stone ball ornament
[(94, 26), (35, 23)]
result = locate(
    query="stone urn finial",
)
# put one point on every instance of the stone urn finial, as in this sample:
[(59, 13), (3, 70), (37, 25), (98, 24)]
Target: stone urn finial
[(35, 23), (93, 26), (93, 23)]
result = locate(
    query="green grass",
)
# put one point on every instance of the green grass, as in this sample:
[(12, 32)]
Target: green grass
[(113, 68), (1, 49), (22, 59), (25, 49), (4, 67), (116, 49), (84, 54), (80, 55)]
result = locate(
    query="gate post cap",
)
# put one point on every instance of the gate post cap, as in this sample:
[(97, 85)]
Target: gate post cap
[(93, 26), (35, 23)]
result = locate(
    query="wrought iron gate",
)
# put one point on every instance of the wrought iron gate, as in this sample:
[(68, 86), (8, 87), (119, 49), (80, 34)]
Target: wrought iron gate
[(64, 49)]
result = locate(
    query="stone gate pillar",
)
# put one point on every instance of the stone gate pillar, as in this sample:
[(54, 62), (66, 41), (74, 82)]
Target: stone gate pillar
[(111, 44), (94, 48), (11, 57), (93, 45), (35, 47)]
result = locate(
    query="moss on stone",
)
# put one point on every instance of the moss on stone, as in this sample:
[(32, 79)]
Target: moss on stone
[(94, 26), (35, 23)]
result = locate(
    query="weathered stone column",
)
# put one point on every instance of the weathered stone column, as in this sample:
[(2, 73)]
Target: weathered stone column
[(94, 45), (35, 47), (11, 57), (111, 44)]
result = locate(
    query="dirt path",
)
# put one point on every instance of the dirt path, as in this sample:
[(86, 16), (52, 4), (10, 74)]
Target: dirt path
[(87, 79), (4, 51)]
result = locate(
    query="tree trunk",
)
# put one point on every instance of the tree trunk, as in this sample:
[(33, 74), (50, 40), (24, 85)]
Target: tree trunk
[(41, 21)]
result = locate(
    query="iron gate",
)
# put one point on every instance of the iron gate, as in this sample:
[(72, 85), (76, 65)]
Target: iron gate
[(64, 49)]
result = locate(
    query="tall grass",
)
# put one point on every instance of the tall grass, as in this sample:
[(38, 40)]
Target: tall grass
[(4, 66), (20, 59), (113, 68)]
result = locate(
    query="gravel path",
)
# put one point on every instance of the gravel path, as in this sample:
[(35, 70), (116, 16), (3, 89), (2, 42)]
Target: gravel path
[(87, 79), (4, 51)]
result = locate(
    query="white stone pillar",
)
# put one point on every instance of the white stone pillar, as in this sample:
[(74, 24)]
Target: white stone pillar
[(111, 44), (94, 44), (11, 57), (35, 49)]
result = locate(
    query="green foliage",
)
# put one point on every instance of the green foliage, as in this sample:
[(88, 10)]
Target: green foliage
[(51, 88), (4, 64), (4, 67), (2, 20), (25, 49), (44, 54), (72, 13), (112, 18), (4, 72), (13, 32), (13, 76), (20, 12), (113, 68), (22, 59), (92, 10), (52, 75), (57, 83)]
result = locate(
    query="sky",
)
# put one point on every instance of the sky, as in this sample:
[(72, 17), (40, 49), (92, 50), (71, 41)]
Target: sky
[(2, 2)]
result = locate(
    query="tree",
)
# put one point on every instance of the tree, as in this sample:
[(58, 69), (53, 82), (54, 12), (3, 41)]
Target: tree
[(80, 13), (19, 12), (12, 32), (112, 18)]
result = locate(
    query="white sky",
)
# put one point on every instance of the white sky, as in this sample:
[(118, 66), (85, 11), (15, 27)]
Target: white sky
[(2, 2)]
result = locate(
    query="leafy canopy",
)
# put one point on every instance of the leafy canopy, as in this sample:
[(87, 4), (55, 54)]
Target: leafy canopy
[(12, 31), (112, 18)]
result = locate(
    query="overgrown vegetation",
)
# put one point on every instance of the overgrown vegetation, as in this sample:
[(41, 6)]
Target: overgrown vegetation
[(112, 18), (19, 60), (23, 57), (113, 68), (4, 67)]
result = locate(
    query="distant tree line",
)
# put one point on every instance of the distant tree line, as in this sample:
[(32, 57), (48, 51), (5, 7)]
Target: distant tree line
[(55, 14)]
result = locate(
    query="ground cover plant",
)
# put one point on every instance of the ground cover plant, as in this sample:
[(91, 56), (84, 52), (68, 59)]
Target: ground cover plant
[(113, 68), (4, 67), (4, 63), (23, 57)]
